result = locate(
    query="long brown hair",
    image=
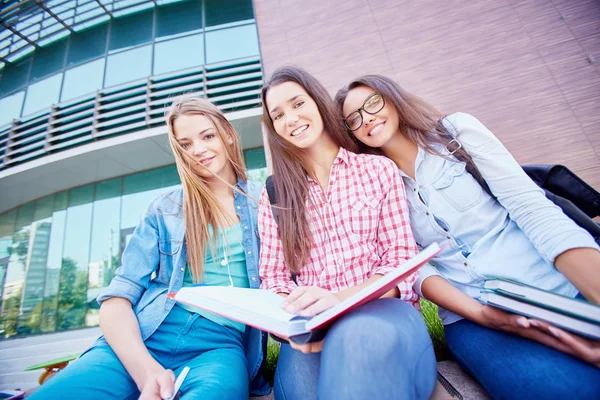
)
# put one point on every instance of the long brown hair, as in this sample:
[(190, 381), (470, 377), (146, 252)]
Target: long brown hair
[(419, 121), (200, 206), (291, 166)]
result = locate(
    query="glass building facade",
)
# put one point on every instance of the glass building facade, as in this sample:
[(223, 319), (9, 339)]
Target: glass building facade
[(58, 252), (151, 41)]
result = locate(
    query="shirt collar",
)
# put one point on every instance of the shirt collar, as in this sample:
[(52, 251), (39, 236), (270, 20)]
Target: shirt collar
[(343, 155)]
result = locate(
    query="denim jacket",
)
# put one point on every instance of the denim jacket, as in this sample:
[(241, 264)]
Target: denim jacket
[(154, 262), (518, 236)]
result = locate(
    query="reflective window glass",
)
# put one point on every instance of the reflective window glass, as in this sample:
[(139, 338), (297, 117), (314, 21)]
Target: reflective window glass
[(225, 11), (177, 54), (15, 273), (131, 30), (7, 229), (48, 60), (232, 43), (72, 292), (54, 262), (182, 16), (104, 251), (14, 76), (10, 107), (35, 267), (42, 94), (139, 190), (87, 44), (82, 80), (256, 164), (128, 66)]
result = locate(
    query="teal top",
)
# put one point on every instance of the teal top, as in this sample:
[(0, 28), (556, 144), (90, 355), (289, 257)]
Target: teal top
[(217, 274)]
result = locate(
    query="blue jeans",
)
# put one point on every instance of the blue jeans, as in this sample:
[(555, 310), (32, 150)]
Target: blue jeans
[(380, 351), (214, 353), (512, 367)]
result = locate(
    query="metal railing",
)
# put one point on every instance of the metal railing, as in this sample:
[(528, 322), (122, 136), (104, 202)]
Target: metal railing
[(134, 106)]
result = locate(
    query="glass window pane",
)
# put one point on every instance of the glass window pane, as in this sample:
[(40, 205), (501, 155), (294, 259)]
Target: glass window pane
[(177, 54), (7, 230), (15, 273), (182, 16), (104, 251), (128, 66), (131, 30), (35, 267), (54, 262), (74, 271), (229, 44), (139, 190), (42, 94), (87, 45), (10, 107), (82, 80), (48, 60), (14, 76), (225, 11)]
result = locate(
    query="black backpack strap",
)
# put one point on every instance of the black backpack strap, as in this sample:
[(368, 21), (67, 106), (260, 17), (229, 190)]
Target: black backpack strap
[(273, 200)]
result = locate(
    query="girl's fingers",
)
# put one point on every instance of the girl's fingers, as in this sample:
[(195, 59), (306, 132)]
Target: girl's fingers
[(317, 307)]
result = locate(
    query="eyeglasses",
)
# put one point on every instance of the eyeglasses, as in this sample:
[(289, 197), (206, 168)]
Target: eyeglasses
[(372, 105)]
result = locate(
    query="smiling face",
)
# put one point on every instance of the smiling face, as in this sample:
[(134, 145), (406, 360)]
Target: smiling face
[(200, 140), (376, 129), (295, 115)]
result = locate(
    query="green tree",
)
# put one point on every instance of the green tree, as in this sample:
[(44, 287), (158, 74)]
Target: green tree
[(71, 296)]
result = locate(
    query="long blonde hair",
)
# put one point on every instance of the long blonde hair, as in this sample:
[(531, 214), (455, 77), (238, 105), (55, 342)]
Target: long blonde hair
[(200, 205)]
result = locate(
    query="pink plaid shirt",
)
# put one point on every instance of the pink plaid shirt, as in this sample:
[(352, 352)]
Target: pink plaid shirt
[(360, 228)]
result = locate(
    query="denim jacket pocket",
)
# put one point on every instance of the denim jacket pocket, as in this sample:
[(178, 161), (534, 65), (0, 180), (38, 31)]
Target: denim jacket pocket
[(169, 247), (458, 187)]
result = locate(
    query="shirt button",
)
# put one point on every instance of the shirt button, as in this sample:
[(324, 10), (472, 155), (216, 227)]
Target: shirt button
[(253, 278), (466, 264), (239, 208), (444, 182), (249, 252), (182, 269), (420, 186), (426, 213), (448, 237), (246, 227)]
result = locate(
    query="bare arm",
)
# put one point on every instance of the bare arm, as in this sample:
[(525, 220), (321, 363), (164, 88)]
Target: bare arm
[(122, 332), (582, 268)]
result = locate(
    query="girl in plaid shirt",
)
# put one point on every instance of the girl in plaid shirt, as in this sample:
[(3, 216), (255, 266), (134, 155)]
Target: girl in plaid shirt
[(342, 223)]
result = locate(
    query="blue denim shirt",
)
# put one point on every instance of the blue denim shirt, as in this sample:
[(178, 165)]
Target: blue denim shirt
[(516, 236), (154, 262)]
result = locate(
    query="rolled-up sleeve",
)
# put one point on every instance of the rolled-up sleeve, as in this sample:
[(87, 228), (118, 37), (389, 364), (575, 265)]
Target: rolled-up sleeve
[(139, 260), (274, 273), (395, 241), (425, 272), (544, 223)]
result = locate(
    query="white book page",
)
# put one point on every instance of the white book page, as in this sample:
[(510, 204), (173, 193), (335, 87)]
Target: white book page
[(222, 298)]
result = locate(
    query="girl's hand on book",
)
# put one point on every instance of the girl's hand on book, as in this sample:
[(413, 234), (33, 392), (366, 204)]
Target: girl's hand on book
[(585, 349), (308, 347), (308, 301)]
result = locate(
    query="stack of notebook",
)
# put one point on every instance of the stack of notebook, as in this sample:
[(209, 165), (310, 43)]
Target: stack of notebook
[(574, 315)]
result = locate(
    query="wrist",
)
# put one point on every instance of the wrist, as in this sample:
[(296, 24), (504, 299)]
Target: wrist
[(152, 369)]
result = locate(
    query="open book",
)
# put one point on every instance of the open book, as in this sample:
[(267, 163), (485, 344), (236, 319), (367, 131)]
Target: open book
[(574, 315), (262, 309)]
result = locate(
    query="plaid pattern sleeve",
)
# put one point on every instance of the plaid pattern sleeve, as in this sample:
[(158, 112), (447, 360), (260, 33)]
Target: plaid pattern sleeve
[(274, 274), (395, 241)]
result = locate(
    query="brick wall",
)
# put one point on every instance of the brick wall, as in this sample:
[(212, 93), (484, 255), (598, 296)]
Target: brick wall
[(520, 66)]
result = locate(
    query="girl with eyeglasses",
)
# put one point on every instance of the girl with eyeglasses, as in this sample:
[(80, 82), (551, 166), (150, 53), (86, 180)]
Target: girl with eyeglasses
[(518, 234), (341, 224), (204, 232)]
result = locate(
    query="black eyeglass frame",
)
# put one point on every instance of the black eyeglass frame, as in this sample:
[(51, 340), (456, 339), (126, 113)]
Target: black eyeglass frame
[(363, 109)]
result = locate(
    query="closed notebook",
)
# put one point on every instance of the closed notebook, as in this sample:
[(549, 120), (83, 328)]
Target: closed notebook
[(262, 309), (569, 323), (576, 308)]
